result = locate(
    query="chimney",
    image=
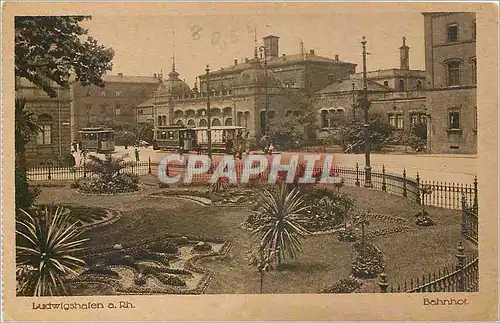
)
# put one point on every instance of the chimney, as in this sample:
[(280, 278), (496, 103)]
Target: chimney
[(120, 74), (404, 56), (235, 62), (271, 45), (311, 52), (154, 75), (337, 58)]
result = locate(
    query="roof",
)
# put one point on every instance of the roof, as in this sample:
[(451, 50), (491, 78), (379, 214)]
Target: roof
[(22, 82), (346, 86), (130, 79), (279, 61)]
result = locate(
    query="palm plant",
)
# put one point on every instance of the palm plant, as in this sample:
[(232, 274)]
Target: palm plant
[(220, 185), (280, 222), (108, 167), (46, 244), (26, 127)]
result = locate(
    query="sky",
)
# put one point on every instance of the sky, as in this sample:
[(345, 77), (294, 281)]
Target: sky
[(144, 43)]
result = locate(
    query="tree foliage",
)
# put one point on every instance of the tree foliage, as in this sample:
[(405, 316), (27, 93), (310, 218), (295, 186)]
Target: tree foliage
[(51, 48), (298, 127)]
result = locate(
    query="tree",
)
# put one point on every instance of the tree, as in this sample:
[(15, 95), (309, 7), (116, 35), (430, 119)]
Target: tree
[(281, 217), (298, 127), (45, 252), (51, 48), (146, 132)]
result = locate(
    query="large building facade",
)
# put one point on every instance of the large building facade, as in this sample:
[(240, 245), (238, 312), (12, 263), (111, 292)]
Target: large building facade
[(53, 115), (113, 105), (451, 71)]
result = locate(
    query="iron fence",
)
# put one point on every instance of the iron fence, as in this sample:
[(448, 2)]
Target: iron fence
[(461, 277)]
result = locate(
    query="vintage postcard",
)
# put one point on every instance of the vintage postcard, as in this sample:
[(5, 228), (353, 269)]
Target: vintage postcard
[(249, 161)]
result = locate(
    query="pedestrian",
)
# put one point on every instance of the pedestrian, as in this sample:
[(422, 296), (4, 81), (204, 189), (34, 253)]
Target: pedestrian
[(136, 151), (271, 148), (75, 146)]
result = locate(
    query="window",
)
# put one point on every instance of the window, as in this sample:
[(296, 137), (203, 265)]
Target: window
[(159, 121), (103, 93), (392, 120), (44, 137), (386, 83), (423, 119), (452, 33), (164, 120), (419, 85), (118, 93), (88, 92), (399, 121), (474, 70), (453, 120), (453, 73), (140, 111), (414, 119), (325, 121), (118, 109), (401, 85), (262, 120), (216, 122), (474, 31)]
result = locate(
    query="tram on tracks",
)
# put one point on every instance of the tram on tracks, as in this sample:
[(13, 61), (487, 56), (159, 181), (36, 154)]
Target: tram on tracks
[(176, 138), (98, 139)]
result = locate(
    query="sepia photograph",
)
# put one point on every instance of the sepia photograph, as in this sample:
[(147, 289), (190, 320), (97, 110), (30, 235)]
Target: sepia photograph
[(255, 149)]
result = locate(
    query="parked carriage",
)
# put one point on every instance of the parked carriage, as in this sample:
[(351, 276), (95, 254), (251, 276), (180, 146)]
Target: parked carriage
[(177, 138), (101, 140)]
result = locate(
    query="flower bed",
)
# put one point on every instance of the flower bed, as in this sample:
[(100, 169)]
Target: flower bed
[(344, 286), (119, 184), (368, 261)]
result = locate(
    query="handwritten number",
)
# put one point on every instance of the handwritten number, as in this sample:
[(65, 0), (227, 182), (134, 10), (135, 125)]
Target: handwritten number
[(195, 31)]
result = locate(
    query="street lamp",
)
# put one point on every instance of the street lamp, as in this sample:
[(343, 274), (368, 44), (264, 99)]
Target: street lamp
[(263, 51), (209, 134), (353, 103), (366, 105)]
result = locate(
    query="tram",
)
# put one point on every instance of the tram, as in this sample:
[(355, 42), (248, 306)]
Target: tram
[(101, 140), (177, 138)]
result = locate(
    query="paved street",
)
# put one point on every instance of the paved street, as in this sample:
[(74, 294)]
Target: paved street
[(444, 168)]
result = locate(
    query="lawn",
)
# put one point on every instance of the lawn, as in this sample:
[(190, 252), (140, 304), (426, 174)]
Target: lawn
[(322, 261)]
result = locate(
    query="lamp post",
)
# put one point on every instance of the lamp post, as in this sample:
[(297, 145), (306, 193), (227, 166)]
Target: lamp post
[(353, 103), (263, 51), (209, 134), (366, 105)]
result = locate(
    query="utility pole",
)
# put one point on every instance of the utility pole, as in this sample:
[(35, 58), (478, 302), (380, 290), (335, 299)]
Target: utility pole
[(209, 133), (366, 105), (263, 50)]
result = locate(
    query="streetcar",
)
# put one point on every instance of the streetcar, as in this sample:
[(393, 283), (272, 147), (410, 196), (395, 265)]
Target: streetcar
[(101, 140), (178, 138), (174, 138)]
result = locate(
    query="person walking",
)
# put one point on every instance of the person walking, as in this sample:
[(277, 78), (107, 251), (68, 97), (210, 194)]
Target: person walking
[(136, 151)]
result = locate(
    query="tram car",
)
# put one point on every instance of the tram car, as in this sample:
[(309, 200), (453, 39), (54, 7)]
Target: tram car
[(174, 138), (101, 140), (225, 139)]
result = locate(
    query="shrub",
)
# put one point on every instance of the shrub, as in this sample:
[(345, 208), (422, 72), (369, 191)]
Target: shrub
[(423, 219), (347, 235), (182, 241), (171, 280), (368, 261), (202, 247), (344, 286), (102, 272), (140, 280), (165, 247), (25, 195)]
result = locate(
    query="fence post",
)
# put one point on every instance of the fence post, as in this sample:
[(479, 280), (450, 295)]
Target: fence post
[(418, 189), (464, 214), (460, 266), (357, 174), (149, 165), (84, 170), (49, 177), (383, 282), (475, 194), (384, 186), (405, 193)]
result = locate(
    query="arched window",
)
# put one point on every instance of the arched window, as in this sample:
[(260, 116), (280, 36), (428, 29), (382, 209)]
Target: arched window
[(246, 117), (419, 85), (239, 118), (164, 120), (228, 122), (191, 123), (288, 112), (159, 121), (386, 83), (179, 123), (401, 85), (263, 121), (227, 111), (44, 137), (325, 120), (203, 123), (216, 122)]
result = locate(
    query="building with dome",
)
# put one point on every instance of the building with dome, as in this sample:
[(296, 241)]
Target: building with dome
[(242, 92)]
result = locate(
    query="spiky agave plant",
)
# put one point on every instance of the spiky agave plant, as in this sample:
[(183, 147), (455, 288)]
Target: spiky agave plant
[(45, 252), (281, 223)]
